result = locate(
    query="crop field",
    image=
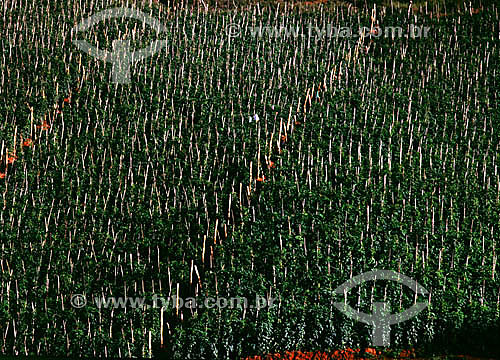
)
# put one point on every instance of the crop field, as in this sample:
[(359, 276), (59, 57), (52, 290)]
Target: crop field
[(270, 152)]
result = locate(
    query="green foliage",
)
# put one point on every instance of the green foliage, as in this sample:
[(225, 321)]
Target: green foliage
[(150, 188)]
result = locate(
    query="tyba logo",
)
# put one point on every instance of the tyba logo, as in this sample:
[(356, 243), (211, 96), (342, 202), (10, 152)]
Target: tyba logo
[(122, 57), (381, 319)]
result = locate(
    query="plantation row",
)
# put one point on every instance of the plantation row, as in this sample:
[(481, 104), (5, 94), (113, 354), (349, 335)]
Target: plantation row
[(241, 166)]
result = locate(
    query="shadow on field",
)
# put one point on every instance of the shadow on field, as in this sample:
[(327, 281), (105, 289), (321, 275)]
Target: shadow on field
[(482, 342), (451, 343)]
